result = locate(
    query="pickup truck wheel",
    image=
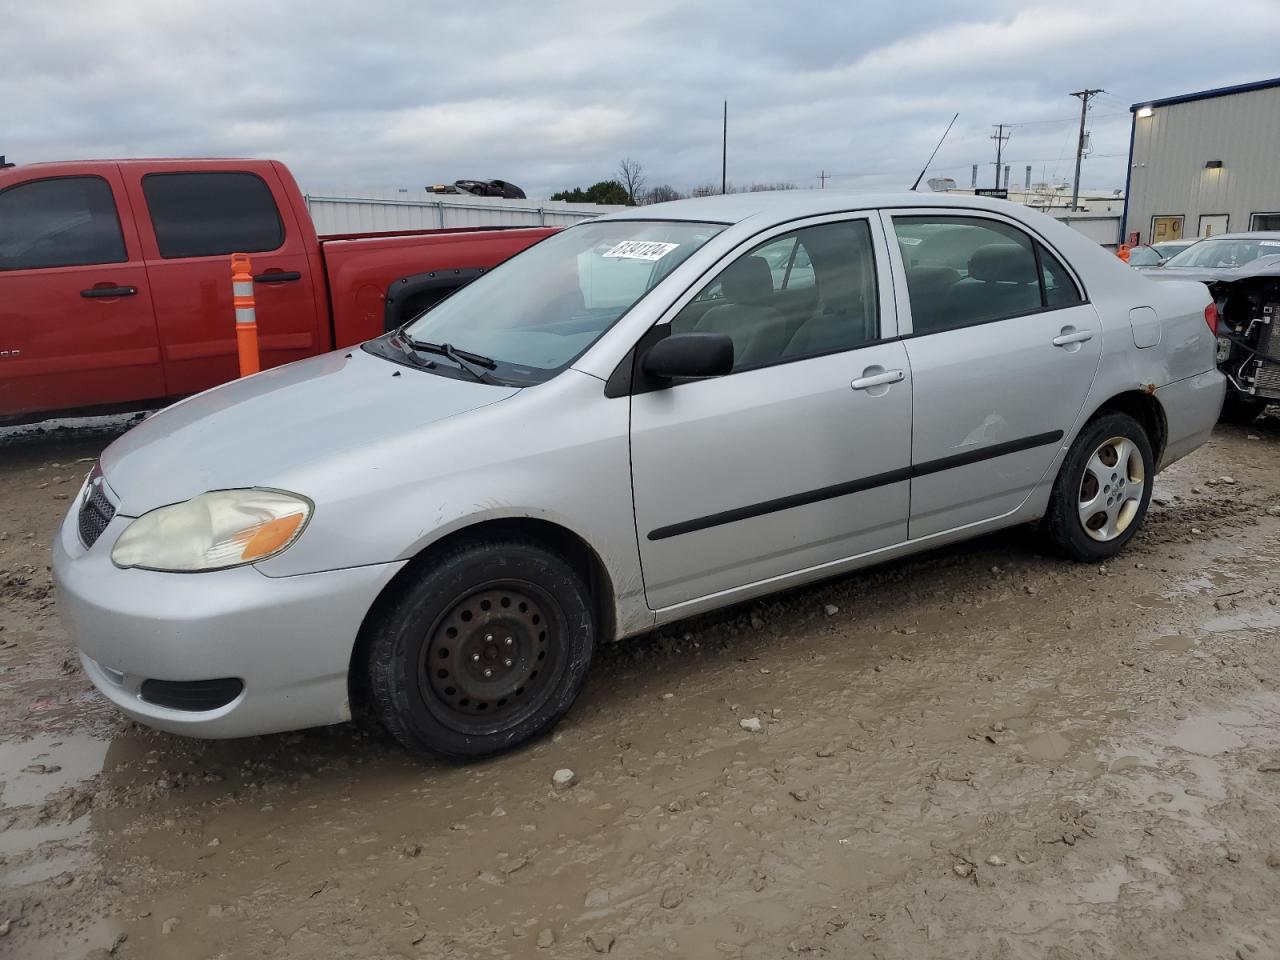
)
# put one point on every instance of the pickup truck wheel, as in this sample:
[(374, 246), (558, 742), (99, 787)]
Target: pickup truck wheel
[(486, 650), (1100, 497)]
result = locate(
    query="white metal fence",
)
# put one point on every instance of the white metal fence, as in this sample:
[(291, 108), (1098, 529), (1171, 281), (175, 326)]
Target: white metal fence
[(1102, 229), (371, 211)]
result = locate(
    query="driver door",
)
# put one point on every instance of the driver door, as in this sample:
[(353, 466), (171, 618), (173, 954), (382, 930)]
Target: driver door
[(800, 456)]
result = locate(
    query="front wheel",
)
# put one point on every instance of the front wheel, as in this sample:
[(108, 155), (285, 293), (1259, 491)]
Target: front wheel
[(1101, 495), (485, 650)]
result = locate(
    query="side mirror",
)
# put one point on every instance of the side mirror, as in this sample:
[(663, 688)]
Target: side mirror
[(689, 356)]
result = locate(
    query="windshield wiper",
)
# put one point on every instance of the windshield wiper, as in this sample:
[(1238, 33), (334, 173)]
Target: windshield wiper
[(468, 361)]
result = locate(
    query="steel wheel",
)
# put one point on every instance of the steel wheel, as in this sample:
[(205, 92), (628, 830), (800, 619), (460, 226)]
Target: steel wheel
[(490, 659), (1111, 489)]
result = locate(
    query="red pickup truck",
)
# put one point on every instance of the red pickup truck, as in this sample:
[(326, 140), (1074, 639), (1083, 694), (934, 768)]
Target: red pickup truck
[(115, 278)]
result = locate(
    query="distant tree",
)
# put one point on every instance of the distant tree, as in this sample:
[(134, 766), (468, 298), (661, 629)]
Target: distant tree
[(609, 191), (662, 193), (631, 175), (606, 191), (711, 189)]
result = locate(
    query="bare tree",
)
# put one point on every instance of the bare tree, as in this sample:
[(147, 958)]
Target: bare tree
[(662, 193), (631, 173)]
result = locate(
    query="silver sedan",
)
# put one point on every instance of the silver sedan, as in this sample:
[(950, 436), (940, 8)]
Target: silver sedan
[(643, 417)]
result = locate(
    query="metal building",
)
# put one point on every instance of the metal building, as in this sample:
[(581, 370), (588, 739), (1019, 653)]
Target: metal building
[(1204, 163)]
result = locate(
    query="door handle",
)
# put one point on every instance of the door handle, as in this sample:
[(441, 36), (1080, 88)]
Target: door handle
[(1078, 336), (878, 380), (277, 276), (94, 292)]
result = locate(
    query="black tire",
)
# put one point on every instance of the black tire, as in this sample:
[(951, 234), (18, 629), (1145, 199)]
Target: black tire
[(1064, 525), (1237, 408), (510, 607)]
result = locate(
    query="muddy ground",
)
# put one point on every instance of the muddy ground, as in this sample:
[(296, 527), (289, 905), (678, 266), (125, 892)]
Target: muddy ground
[(984, 752)]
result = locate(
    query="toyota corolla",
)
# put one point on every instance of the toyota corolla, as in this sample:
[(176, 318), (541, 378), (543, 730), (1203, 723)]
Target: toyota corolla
[(643, 417)]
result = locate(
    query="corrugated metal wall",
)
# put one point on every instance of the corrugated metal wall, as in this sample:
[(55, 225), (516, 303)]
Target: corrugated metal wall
[(370, 211), (1172, 146)]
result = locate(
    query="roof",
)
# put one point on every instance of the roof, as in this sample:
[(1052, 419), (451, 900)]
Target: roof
[(1245, 235), (1209, 94), (788, 204)]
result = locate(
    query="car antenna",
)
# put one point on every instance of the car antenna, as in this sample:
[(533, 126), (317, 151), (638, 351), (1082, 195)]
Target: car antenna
[(935, 151)]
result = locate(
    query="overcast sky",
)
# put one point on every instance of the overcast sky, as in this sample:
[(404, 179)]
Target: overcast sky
[(552, 94)]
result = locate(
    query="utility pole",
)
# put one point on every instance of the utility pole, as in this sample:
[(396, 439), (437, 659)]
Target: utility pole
[(1084, 96), (999, 137), (724, 150), (822, 178)]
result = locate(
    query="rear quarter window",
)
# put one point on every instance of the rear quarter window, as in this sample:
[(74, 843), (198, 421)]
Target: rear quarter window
[(212, 214)]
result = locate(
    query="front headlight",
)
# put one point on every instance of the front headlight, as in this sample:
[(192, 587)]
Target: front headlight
[(225, 528)]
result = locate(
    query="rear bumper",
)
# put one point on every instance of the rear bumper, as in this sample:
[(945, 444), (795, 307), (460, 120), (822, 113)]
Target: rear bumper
[(289, 639), (1191, 408)]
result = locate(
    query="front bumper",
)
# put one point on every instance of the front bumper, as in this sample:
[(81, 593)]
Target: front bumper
[(289, 639)]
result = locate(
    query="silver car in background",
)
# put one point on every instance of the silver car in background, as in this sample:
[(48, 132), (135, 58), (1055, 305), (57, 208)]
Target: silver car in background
[(643, 417)]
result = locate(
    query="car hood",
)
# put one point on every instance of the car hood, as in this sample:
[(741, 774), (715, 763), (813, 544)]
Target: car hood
[(1261, 267), (248, 432)]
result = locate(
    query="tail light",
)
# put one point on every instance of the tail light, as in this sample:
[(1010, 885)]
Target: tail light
[(1211, 318)]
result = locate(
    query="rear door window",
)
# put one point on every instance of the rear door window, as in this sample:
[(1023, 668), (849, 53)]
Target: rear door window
[(59, 222), (212, 214), (966, 270), (1059, 289)]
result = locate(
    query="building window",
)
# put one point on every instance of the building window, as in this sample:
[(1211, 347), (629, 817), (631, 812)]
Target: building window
[(1166, 228), (1265, 221)]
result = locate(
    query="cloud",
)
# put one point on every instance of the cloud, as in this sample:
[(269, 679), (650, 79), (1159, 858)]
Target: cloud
[(551, 95)]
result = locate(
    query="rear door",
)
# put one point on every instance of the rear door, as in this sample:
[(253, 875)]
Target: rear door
[(1003, 348), (76, 321), (190, 222)]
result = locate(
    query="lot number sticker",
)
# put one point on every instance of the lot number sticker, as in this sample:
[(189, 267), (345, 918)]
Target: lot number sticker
[(640, 250)]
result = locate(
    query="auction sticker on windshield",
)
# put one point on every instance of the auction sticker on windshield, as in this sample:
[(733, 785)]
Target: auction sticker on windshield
[(640, 250)]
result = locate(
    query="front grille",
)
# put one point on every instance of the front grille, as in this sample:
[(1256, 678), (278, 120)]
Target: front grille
[(194, 695), (95, 513)]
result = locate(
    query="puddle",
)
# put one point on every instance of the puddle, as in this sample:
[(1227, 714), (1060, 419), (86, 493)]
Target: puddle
[(1176, 642), (1244, 619), (35, 769), (1048, 746), (1208, 735)]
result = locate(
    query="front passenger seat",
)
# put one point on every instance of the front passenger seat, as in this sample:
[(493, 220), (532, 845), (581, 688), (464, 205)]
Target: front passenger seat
[(757, 330)]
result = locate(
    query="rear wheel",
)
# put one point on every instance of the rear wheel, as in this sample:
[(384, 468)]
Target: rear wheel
[(1101, 495), (487, 649)]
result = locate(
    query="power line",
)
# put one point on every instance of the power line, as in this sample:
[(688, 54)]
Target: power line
[(1084, 96), (999, 137)]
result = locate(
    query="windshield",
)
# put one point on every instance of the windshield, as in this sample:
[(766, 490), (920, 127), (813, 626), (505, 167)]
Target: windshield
[(1143, 257), (1225, 252), (541, 309)]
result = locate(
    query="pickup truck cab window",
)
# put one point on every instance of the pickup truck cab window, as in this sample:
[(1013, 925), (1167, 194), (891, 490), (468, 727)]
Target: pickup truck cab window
[(804, 294), (59, 222), (535, 314), (212, 214)]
